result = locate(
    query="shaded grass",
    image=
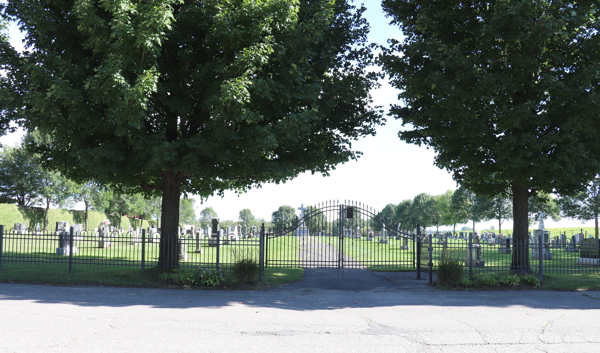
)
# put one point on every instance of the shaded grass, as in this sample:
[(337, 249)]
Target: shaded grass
[(572, 282), (116, 277)]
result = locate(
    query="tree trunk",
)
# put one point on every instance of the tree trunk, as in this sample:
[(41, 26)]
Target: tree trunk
[(499, 226), (85, 216), (169, 243), (596, 224), (520, 251), (473, 227), (454, 230), (46, 214)]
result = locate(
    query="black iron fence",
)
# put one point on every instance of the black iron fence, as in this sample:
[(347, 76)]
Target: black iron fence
[(134, 250), (422, 254), (535, 255)]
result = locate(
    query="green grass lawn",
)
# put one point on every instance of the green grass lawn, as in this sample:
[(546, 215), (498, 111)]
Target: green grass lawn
[(123, 277)]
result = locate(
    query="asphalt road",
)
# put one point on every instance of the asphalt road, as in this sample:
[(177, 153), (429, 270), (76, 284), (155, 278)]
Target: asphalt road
[(363, 314)]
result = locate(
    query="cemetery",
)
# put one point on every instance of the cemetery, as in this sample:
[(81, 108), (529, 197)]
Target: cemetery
[(318, 239)]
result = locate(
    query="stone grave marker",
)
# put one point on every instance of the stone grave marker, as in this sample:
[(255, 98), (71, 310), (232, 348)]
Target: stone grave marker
[(572, 246), (183, 253), (505, 246), (215, 233), (64, 238), (383, 239), (103, 235), (19, 228)]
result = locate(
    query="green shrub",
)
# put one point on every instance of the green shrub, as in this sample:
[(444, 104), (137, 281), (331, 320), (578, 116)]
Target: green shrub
[(245, 267), (489, 281), (184, 277), (510, 280), (531, 280), (449, 271), (211, 278), (466, 283)]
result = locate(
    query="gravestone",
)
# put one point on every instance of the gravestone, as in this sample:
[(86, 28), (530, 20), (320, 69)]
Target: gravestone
[(562, 240), (77, 231), (404, 243), (19, 228), (103, 234), (64, 239), (572, 246), (135, 236), (505, 246), (370, 236), (183, 253), (254, 231), (383, 239), (199, 248), (590, 248), (545, 245), (462, 235), (589, 253), (232, 234), (215, 233), (38, 229), (476, 256)]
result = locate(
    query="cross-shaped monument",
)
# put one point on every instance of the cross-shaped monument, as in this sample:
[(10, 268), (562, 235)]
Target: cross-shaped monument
[(302, 209), (302, 230)]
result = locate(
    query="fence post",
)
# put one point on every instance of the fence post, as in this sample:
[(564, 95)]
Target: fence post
[(1, 247), (418, 245), (261, 257), (215, 233), (71, 249), (430, 264), (541, 254), (143, 256), (470, 255)]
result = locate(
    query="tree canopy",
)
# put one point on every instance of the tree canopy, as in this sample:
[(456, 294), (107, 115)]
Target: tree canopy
[(189, 96), (506, 93), (585, 205)]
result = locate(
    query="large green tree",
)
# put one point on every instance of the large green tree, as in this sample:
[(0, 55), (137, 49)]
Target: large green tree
[(285, 217), (19, 177), (499, 208), (404, 217), (505, 91), (190, 96), (187, 211), (206, 216), (469, 206), (585, 205), (421, 210), (247, 218)]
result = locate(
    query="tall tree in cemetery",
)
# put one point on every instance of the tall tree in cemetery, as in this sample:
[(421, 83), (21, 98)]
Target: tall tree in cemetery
[(585, 205), (19, 175), (404, 216), (500, 209), (468, 206), (506, 93), (247, 218), (206, 216), (285, 217), (190, 96), (543, 204)]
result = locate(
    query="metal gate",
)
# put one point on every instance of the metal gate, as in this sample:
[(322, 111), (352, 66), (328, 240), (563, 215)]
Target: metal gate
[(339, 235)]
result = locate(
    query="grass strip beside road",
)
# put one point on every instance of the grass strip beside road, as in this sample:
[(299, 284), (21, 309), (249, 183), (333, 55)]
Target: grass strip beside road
[(117, 277)]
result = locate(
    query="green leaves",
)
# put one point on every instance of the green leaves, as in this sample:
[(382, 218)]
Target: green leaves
[(500, 90)]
